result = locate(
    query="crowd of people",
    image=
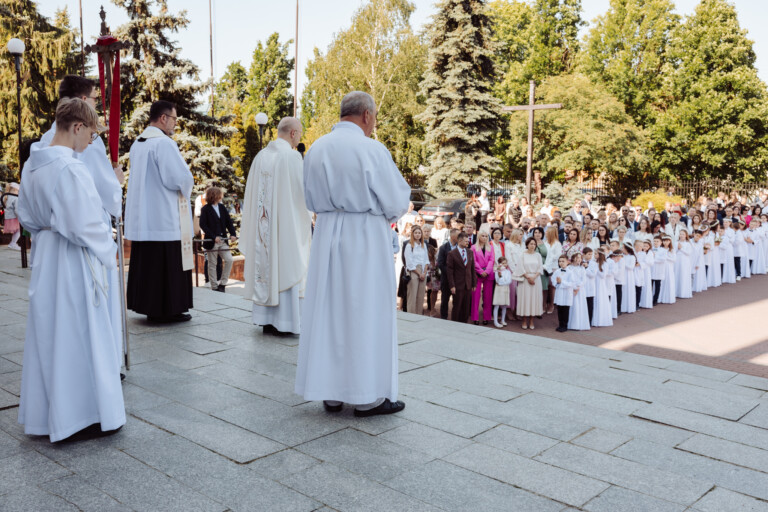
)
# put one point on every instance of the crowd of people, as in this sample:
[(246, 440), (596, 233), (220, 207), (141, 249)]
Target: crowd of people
[(591, 263)]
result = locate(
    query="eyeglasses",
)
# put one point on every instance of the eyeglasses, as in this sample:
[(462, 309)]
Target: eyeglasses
[(169, 115)]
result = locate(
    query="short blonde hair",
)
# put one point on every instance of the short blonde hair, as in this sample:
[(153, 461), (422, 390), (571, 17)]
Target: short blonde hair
[(74, 110)]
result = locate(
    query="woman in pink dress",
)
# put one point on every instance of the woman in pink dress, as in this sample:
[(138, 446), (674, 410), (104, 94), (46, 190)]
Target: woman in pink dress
[(484, 262)]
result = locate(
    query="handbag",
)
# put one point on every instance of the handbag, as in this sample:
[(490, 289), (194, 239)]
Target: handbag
[(405, 278)]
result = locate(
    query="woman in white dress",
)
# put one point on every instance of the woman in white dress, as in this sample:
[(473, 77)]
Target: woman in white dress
[(554, 250), (602, 315), (514, 251), (667, 295), (441, 232), (529, 268), (578, 318), (683, 268)]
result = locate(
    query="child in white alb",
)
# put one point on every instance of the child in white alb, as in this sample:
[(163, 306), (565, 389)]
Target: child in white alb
[(501, 292)]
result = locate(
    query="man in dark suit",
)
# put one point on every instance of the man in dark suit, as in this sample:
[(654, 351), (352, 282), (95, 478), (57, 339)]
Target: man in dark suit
[(442, 264), (469, 230), (461, 278), (215, 222)]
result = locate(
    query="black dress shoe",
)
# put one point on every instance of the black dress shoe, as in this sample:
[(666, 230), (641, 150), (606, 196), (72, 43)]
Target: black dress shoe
[(90, 432), (221, 288), (485, 322), (268, 329), (181, 317), (561, 329), (332, 408), (122, 377), (386, 407), (477, 323)]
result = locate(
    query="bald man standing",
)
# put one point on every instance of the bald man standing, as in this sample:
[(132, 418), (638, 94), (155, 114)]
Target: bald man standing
[(276, 232)]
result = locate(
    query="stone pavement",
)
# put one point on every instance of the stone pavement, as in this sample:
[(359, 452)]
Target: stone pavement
[(495, 420)]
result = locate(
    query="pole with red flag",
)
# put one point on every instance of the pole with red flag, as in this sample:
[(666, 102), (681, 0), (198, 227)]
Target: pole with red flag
[(107, 49)]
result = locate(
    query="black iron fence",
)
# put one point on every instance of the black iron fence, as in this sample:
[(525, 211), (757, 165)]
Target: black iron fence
[(734, 190)]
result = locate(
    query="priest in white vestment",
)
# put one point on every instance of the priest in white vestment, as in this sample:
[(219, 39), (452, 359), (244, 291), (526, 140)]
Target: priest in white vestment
[(348, 343), (107, 180), (69, 379), (276, 232), (158, 221)]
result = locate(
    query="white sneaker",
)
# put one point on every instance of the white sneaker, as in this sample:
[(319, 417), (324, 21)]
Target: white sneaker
[(497, 324), (503, 323), (738, 278), (15, 247)]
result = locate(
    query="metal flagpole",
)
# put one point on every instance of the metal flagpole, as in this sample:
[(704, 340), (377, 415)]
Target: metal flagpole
[(82, 41), (296, 63), (108, 50)]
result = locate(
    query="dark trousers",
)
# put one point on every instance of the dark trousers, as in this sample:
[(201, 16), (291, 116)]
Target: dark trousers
[(737, 264), (590, 307), (722, 270), (562, 316), (445, 296), (462, 303), (638, 293), (706, 270), (656, 290), (618, 298)]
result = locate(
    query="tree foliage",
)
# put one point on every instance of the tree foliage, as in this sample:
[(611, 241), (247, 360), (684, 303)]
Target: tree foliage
[(713, 121), (153, 70), (627, 52), (462, 115), (50, 54), (378, 54), (591, 133)]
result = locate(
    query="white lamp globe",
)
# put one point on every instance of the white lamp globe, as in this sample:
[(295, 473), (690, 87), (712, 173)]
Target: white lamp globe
[(16, 46), (261, 119)]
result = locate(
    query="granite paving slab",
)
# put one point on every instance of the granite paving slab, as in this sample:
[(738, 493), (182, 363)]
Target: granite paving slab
[(720, 499), (757, 417), (617, 499), (727, 451)]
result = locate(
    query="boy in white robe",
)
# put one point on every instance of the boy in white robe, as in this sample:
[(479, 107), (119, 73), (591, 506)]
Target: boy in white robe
[(348, 343), (70, 382), (276, 232)]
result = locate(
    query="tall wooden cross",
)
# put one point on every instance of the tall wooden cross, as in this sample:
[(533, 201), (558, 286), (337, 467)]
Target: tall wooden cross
[(531, 107)]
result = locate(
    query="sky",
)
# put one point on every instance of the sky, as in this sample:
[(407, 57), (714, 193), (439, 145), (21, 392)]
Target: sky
[(240, 24)]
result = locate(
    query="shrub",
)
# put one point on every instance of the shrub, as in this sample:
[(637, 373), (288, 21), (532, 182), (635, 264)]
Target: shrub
[(658, 199)]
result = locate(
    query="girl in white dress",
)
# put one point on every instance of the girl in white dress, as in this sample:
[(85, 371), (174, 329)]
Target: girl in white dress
[(742, 243), (590, 271), (667, 295), (610, 273), (683, 269), (501, 293), (602, 315), (619, 275), (578, 317), (657, 270), (646, 298), (697, 263), (628, 299), (756, 251), (563, 282), (715, 275), (726, 252)]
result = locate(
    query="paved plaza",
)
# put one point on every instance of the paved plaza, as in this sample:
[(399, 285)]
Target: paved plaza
[(495, 420)]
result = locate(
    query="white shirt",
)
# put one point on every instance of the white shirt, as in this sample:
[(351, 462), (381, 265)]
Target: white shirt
[(415, 256)]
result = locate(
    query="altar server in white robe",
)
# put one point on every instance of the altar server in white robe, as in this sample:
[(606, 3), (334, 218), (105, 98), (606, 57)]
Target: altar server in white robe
[(158, 221), (276, 232), (348, 343), (108, 181), (69, 378)]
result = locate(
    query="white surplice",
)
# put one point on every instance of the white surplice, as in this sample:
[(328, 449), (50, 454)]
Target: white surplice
[(158, 175), (275, 237), (69, 378), (348, 344), (111, 194)]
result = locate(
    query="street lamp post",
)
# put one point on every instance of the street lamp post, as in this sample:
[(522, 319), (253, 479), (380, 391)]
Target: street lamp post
[(16, 48), (261, 120)]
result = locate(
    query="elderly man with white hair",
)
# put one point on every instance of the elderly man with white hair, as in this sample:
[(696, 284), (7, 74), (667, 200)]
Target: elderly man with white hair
[(348, 343), (275, 233)]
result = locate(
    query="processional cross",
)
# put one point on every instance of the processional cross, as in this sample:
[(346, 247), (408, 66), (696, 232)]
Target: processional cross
[(531, 107)]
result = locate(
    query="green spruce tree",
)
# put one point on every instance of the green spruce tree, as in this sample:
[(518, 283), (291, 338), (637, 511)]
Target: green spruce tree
[(713, 119), (462, 115), (627, 51), (50, 54), (153, 70)]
